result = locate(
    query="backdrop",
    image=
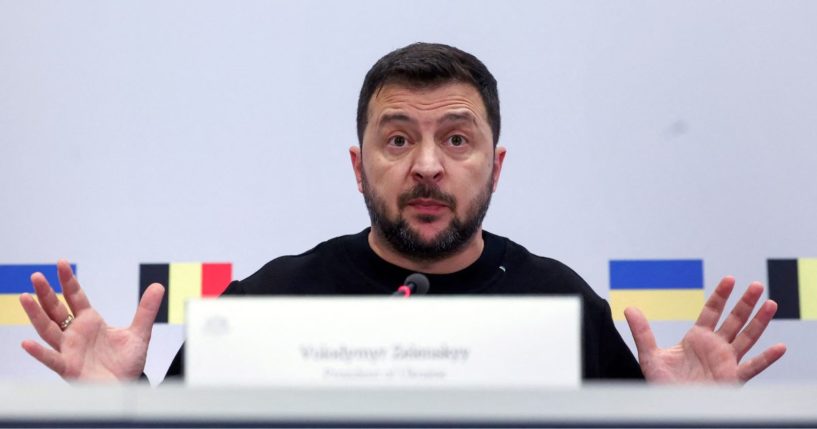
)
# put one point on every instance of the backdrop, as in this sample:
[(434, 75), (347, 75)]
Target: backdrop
[(176, 131)]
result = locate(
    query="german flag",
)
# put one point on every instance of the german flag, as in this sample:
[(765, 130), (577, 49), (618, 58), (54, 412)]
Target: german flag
[(184, 280), (793, 285), (669, 289), (15, 279)]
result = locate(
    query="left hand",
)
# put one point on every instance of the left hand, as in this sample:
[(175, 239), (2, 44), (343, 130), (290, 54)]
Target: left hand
[(704, 354)]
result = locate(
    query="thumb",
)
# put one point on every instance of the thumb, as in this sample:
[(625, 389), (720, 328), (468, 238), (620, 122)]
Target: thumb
[(642, 333), (147, 310)]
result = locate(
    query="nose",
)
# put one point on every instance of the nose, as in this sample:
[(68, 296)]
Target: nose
[(427, 165)]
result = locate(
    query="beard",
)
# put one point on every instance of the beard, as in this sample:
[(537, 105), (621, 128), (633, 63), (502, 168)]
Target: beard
[(407, 241)]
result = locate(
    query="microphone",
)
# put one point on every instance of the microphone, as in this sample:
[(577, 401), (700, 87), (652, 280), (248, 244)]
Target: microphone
[(414, 284)]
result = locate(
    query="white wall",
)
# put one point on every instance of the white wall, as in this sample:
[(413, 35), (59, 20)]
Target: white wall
[(138, 132)]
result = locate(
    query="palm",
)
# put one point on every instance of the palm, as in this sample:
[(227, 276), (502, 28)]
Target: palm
[(95, 351), (706, 355), (89, 349), (700, 356)]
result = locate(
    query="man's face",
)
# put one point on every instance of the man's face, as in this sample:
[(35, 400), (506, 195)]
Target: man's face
[(427, 167)]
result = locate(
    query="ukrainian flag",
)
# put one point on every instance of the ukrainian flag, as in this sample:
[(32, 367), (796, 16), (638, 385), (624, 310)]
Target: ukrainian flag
[(793, 285), (15, 279), (184, 280), (661, 289)]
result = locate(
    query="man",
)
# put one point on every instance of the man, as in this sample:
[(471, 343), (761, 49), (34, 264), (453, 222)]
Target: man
[(427, 163)]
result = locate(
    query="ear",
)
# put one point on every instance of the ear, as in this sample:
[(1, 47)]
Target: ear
[(499, 158), (356, 155)]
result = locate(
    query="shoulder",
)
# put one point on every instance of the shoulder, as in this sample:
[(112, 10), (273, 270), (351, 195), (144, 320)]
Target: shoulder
[(545, 275), (308, 272)]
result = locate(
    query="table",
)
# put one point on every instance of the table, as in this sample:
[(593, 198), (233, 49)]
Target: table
[(594, 405)]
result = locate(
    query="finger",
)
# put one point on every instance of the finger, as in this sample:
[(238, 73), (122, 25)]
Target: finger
[(73, 294), (740, 314), (642, 333), (148, 309), (755, 329), (55, 309), (713, 308), (47, 357), (756, 365), (46, 328)]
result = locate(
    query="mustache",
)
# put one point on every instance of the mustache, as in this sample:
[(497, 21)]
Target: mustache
[(423, 190)]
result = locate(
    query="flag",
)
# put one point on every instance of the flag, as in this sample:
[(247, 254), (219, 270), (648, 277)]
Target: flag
[(184, 280), (15, 279), (661, 289), (793, 285)]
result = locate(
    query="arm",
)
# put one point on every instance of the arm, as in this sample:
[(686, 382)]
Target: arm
[(85, 347), (706, 354)]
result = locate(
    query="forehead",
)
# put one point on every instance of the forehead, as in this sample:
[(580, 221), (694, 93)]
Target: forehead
[(434, 101)]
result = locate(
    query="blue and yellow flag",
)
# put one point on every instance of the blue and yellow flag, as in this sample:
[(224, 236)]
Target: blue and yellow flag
[(671, 289), (15, 280)]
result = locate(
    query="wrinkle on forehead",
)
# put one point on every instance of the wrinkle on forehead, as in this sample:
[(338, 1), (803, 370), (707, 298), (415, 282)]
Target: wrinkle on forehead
[(389, 115), (391, 98)]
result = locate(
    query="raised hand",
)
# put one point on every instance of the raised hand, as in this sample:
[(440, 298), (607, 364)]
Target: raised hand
[(704, 354), (82, 346)]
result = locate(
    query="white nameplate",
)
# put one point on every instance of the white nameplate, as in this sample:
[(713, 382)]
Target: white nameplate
[(490, 342)]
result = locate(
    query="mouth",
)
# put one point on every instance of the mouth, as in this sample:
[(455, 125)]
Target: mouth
[(427, 205)]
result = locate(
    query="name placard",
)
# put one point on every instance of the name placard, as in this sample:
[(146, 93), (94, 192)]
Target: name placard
[(486, 342)]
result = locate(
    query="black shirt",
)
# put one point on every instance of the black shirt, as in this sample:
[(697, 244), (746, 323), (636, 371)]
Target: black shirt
[(347, 265)]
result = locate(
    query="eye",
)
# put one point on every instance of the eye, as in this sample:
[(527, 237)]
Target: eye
[(457, 140), (398, 141)]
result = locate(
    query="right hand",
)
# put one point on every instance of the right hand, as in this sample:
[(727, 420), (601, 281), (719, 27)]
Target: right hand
[(89, 349)]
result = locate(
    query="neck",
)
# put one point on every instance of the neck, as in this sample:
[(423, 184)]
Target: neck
[(466, 256)]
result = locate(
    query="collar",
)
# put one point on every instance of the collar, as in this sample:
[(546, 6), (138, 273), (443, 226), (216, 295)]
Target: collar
[(387, 276)]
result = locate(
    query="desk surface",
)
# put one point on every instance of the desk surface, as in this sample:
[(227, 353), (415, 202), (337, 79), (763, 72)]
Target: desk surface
[(591, 406)]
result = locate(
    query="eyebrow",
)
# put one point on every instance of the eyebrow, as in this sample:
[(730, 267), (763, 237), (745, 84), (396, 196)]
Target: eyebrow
[(395, 117), (448, 117), (458, 117)]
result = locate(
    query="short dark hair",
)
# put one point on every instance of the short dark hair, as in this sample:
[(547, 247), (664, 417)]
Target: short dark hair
[(429, 65)]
